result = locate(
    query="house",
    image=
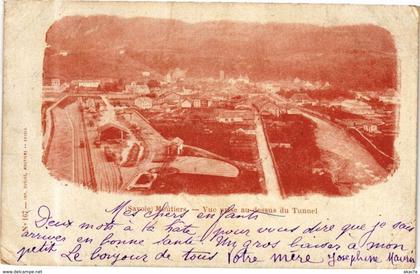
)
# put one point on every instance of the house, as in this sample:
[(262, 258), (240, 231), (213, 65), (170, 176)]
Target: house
[(137, 88), (229, 117), (143, 102), (389, 97), (231, 81), (364, 95), (352, 122), (186, 103), (221, 76), (168, 78), (175, 75), (197, 102), (244, 131), (302, 99), (90, 105), (272, 108), (55, 87), (170, 98), (234, 116), (176, 146), (167, 107), (265, 106), (112, 132), (356, 107), (318, 168), (200, 101), (285, 145), (186, 91), (206, 102), (55, 83), (179, 74), (87, 83), (243, 79), (121, 98), (370, 126)]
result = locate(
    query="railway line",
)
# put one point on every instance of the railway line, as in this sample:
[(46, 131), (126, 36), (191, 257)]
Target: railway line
[(83, 172)]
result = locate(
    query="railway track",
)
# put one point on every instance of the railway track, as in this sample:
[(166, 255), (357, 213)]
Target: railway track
[(88, 159), (83, 173)]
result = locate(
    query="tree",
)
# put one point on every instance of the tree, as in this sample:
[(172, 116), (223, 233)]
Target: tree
[(153, 84)]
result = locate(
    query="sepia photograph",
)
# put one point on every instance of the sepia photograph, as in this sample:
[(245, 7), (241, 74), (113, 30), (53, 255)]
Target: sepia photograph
[(147, 105), (209, 135)]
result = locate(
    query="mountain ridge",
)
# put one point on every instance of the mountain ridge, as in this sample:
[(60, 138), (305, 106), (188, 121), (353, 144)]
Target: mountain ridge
[(350, 57)]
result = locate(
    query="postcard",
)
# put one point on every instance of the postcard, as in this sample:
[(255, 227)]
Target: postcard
[(209, 134)]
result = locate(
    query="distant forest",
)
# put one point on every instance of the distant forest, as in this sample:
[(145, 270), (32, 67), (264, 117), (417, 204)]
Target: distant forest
[(348, 57)]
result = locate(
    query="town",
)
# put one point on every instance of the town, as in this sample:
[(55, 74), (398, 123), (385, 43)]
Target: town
[(225, 134)]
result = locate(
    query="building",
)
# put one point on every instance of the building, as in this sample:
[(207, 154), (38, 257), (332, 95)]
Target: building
[(176, 146), (140, 89), (121, 98), (389, 97), (179, 74), (170, 98), (302, 99), (55, 83), (143, 102), (186, 103), (186, 91), (63, 53), (90, 105), (196, 102), (229, 117), (356, 107), (370, 126), (234, 116), (168, 78), (112, 132), (55, 87), (268, 107), (243, 79), (244, 131), (87, 83), (221, 76), (175, 75), (145, 74), (365, 95), (318, 168), (168, 106)]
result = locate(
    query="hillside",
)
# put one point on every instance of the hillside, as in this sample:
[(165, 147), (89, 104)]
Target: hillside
[(361, 56)]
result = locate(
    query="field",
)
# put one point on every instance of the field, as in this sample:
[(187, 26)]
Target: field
[(197, 129)]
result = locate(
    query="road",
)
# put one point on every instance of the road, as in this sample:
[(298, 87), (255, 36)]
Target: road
[(272, 181)]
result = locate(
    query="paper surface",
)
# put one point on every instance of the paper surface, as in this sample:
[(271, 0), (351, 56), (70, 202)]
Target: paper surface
[(192, 134)]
